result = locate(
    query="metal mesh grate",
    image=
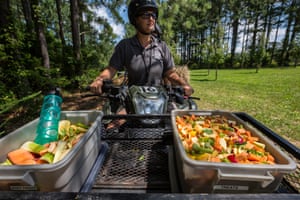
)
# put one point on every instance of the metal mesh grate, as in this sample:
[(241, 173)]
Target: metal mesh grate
[(134, 133), (132, 127), (135, 164)]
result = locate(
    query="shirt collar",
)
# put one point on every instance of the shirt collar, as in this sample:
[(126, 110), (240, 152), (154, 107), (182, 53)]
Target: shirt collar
[(135, 41)]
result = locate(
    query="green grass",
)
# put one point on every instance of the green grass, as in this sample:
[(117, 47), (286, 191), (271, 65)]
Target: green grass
[(272, 96)]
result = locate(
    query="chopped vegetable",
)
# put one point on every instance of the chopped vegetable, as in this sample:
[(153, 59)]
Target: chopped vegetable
[(142, 157), (217, 139), (61, 146), (32, 147), (63, 127), (231, 158), (6, 162), (259, 144), (82, 125), (21, 157), (47, 157), (33, 153)]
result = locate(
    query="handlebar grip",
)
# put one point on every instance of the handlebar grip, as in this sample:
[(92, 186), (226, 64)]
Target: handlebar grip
[(195, 98), (87, 88)]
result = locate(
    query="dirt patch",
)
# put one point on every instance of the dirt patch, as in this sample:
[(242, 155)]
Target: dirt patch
[(81, 101)]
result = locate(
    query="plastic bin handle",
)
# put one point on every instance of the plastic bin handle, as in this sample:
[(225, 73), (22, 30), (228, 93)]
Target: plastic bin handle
[(264, 179), (26, 178)]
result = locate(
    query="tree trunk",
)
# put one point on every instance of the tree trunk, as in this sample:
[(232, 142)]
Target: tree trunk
[(235, 27), (275, 39), (30, 29), (243, 44), (295, 29), (235, 18), (268, 23), (4, 14), (41, 36), (284, 57), (44, 46), (245, 63), (253, 44), (75, 33), (27, 14), (60, 23), (5, 21), (81, 23), (64, 69)]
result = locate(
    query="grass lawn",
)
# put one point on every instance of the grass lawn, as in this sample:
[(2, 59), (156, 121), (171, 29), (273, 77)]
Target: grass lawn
[(272, 96)]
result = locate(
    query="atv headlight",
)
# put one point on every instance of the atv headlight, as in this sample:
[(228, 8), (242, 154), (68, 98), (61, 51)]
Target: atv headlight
[(149, 106)]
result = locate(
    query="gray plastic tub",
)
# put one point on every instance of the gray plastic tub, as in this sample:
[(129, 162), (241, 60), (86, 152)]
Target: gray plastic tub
[(211, 177), (68, 174)]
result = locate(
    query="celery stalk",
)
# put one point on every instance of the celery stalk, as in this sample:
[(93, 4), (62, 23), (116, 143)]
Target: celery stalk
[(59, 150)]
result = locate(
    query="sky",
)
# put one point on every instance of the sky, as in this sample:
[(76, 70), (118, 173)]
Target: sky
[(103, 12)]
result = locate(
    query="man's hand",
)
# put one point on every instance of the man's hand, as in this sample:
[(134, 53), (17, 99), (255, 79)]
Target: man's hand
[(188, 90), (175, 79), (96, 86), (106, 74)]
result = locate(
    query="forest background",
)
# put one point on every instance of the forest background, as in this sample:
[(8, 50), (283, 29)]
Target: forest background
[(47, 43)]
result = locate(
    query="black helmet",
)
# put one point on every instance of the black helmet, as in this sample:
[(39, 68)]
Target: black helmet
[(136, 5)]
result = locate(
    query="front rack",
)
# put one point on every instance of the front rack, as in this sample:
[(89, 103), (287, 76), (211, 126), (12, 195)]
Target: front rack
[(140, 158), (137, 159)]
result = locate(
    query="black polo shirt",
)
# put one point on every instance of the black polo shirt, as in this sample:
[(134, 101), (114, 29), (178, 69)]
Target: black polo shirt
[(145, 66)]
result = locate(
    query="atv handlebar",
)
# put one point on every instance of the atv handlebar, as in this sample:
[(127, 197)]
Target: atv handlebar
[(111, 91)]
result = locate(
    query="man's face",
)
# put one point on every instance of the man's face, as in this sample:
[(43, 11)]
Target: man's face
[(145, 21)]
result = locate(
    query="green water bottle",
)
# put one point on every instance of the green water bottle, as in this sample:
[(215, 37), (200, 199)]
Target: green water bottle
[(47, 128)]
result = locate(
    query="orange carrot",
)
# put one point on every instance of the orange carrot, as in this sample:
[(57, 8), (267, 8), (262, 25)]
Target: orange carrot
[(241, 131), (253, 157), (248, 133), (28, 162), (179, 120), (21, 156), (270, 158), (215, 159), (257, 148), (206, 125), (249, 145), (39, 161), (193, 117), (217, 144), (252, 139), (241, 157)]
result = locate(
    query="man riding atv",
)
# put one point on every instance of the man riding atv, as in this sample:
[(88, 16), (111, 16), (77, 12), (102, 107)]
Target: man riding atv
[(146, 59)]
